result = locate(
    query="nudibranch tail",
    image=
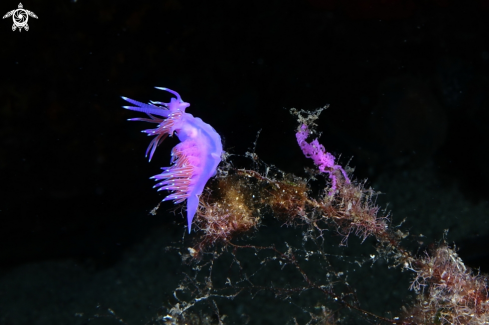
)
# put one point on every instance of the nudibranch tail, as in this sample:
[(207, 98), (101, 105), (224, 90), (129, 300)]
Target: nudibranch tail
[(192, 205), (194, 160)]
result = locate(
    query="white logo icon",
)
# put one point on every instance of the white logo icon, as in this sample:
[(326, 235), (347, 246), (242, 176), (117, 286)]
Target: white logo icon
[(20, 17)]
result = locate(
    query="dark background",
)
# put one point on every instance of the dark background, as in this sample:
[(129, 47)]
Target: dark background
[(407, 82)]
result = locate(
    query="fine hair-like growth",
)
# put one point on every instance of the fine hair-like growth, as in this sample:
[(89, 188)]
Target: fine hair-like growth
[(226, 269)]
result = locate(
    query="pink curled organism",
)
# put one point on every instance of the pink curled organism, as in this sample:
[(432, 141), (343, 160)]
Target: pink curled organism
[(324, 160)]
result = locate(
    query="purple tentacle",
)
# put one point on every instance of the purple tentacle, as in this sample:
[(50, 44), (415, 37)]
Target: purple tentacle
[(146, 108)]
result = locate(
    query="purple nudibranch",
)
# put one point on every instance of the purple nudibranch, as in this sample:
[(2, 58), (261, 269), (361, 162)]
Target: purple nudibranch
[(193, 161)]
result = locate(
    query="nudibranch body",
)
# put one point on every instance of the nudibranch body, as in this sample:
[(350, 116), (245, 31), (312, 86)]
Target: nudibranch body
[(194, 160)]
